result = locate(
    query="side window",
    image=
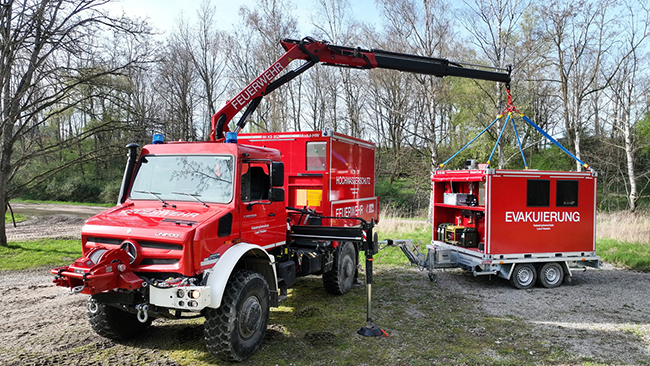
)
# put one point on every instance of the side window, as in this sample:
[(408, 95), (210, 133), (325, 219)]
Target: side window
[(566, 193), (255, 181), (538, 193), (316, 157)]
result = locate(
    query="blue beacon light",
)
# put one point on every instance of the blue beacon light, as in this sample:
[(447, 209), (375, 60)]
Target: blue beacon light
[(231, 137), (158, 138)]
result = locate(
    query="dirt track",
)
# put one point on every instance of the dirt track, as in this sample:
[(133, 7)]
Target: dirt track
[(50, 221), (603, 316)]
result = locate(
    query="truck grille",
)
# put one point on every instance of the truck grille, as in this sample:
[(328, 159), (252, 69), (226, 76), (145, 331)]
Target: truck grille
[(144, 244)]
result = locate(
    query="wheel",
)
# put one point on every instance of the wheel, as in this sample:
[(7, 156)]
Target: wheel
[(113, 323), (550, 275), (523, 276), (340, 279), (433, 277), (235, 330)]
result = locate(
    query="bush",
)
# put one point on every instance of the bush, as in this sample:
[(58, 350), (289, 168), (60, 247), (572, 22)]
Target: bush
[(110, 192)]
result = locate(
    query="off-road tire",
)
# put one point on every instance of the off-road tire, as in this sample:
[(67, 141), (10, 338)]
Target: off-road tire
[(113, 323), (523, 276), (340, 279), (235, 330), (550, 275)]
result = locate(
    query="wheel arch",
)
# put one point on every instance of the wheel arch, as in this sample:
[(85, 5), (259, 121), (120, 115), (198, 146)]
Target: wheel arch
[(241, 256)]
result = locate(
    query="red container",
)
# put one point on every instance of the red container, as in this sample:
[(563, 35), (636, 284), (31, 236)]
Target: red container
[(521, 211)]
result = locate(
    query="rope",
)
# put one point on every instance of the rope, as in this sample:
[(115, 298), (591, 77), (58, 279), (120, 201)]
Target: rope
[(499, 139), (510, 108), (519, 142), (469, 143)]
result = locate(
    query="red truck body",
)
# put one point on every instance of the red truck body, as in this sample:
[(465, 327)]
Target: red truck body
[(331, 174), (184, 238)]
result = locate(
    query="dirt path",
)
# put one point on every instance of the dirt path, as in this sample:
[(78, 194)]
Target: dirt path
[(50, 221)]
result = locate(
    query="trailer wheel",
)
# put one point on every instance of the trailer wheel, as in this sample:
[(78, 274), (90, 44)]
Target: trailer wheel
[(550, 275), (113, 323), (339, 280), (235, 330), (523, 276)]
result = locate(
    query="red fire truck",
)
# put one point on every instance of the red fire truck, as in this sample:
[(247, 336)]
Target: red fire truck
[(221, 229)]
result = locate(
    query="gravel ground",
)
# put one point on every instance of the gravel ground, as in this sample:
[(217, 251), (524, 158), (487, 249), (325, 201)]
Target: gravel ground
[(602, 316)]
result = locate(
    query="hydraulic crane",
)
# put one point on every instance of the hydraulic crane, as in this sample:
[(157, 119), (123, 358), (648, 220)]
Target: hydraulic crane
[(314, 52)]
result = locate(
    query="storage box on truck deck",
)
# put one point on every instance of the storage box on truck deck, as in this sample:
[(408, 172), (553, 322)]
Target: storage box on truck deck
[(328, 172)]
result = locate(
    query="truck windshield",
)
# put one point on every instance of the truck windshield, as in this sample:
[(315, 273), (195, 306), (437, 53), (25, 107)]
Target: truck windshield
[(184, 178)]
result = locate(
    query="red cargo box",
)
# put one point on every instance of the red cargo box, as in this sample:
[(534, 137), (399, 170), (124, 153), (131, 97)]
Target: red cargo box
[(520, 211), (332, 173)]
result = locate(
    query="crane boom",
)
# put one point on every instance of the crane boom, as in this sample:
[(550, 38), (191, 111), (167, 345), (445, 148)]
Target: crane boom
[(315, 52)]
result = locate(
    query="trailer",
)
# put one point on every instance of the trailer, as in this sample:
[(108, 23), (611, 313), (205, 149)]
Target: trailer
[(526, 226)]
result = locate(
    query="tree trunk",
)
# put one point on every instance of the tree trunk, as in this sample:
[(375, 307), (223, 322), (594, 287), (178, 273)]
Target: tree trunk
[(629, 157)]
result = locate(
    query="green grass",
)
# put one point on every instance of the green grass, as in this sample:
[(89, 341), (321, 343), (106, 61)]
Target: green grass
[(39, 253), (635, 256), (18, 200), (17, 217)]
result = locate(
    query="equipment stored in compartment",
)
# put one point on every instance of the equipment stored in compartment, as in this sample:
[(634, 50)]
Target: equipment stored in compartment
[(442, 231), (469, 238), (453, 234), (471, 200), (456, 199)]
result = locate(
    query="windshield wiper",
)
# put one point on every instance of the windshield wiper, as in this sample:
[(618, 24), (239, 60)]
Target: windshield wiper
[(193, 195), (156, 194)]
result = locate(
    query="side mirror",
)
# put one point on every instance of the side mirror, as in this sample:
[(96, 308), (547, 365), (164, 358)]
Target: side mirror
[(276, 194), (277, 175)]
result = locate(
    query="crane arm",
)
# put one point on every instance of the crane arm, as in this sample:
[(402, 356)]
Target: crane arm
[(314, 52)]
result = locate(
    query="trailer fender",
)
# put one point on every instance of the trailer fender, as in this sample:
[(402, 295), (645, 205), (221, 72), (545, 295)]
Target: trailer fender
[(245, 255), (505, 270)]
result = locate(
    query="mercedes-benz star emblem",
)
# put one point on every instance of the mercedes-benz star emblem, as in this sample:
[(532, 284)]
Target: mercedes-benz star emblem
[(130, 249)]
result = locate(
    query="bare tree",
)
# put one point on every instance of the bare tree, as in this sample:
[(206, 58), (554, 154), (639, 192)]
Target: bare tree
[(177, 85), (43, 45), (628, 94), (580, 33), (206, 48), (254, 48), (494, 25)]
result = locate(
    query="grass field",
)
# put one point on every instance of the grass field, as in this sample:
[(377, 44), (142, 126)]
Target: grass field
[(39, 253)]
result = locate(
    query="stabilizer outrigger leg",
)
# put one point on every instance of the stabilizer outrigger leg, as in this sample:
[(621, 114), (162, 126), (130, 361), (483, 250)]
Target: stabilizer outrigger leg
[(371, 247)]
